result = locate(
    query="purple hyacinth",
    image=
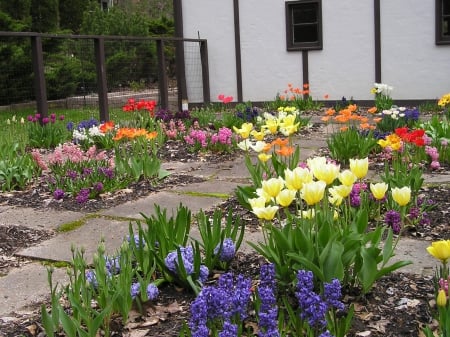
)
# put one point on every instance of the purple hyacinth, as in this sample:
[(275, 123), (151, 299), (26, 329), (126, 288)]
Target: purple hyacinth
[(82, 196), (312, 307), (72, 174), (106, 171), (332, 294), (393, 219), (112, 265), (204, 273), (91, 278), (152, 292), (229, 330), (187, 256), (228, 299), (137, 241), (268, 312), (227, 251), (58, 194), (135, 290), (98, 186)]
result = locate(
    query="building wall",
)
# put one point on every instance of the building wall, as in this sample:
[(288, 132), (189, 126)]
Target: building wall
[(410, 60)]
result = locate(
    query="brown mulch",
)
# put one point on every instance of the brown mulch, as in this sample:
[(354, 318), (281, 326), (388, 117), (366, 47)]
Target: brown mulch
[(398, 304)]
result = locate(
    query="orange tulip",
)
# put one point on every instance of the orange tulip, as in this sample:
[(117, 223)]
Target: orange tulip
[(372, 110), (285, 151)]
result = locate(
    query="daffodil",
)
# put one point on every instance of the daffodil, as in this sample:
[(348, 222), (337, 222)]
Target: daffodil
[(285, 197), (359, 167), (440, 250), (378, 190), (347, 178), (273, 186), (294, 179), (266, 213), (313, 192), (401, 196)]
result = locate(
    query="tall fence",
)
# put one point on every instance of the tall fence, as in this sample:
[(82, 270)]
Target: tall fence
[(74, 71)]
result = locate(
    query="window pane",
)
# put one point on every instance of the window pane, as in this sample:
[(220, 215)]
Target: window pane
[(445, 27), (305, 13), (446, 7), (305, 33)]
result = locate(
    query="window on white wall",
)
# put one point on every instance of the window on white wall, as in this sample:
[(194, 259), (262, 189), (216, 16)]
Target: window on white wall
[(442, 21), (304, 24)]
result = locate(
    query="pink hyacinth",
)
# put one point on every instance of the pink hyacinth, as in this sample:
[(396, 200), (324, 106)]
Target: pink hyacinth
[(38, 159), (435, 165)]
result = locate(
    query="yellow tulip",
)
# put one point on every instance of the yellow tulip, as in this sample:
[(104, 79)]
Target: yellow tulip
[(257, 202), (258, 135), (440, 250), (315, 162), (334, 198), (327, 173), (273, 186), (379, 190), (266, 213), (244, 130), (308, 214), (343, 190), (313, 192), (261, 193), (441, 300), (263, 157), (285, 197), (359, 167), (271, 125), (295, 178), (347, 178), (401, 195)]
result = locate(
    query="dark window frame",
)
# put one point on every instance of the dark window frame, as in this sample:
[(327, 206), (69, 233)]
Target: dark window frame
[(295, 46), (441, 39)]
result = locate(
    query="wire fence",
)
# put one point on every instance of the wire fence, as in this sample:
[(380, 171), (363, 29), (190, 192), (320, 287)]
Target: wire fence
[(71, 68)]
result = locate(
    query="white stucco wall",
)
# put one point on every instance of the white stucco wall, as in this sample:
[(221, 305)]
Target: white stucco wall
[(213, 20), (411, 62), (267, 67), (346, 65)]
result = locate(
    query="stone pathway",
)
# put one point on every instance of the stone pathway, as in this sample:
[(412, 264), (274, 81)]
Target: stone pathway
[(24, 287)]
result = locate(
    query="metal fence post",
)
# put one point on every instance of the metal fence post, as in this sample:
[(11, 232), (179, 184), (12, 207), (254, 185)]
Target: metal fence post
[(40, 89), (205, 72), (99, 46), (162, 76)]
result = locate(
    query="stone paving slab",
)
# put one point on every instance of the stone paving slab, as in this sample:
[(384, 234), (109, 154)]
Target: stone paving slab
[(36, 219), (27, 286)]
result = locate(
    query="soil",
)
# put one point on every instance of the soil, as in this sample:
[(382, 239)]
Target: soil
[(398, 304)]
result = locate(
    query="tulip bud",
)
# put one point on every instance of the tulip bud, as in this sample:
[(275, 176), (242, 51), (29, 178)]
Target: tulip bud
[(441, 300)]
